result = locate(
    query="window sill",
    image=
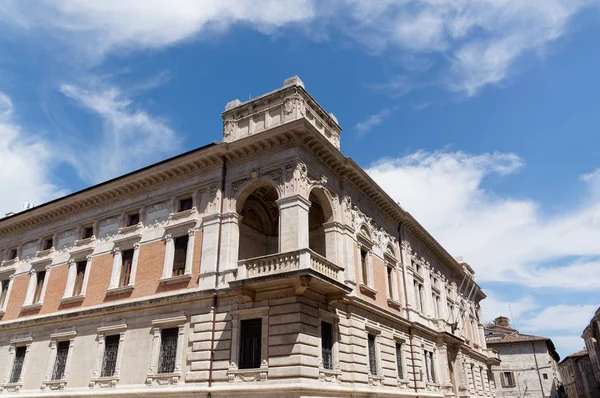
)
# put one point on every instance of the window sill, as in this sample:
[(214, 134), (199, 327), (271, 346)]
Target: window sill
[(44, 253), (330, 375), (375, 380), (119, 290), (31, 307), (12, 387), (175, 279), (54, 384), (367, 290), (7, 263), (162, 379), (247, 375), (130, 228), (182, 214), (86, 241), (72, 299), (394, 304), (104, 382)]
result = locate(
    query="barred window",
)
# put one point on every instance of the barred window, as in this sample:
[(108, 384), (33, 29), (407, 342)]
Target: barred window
[(4, 293), (78, 286), (17, 367), (372, 355), (327, 344), (62, 351), (168, 350), (250, 343), (179, 258), (399, 360), (109, 360), (37, 296), (127, 260)]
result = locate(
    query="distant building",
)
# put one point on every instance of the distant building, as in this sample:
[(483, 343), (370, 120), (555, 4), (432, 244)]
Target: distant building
[(578, 376), (591, 336), (528, 365)]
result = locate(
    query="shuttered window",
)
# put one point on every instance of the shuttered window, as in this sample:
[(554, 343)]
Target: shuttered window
[(37, 296), (126, 267), (79, 278), (179, 258)]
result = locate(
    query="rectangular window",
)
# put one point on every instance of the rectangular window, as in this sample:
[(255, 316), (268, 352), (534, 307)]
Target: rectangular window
[(431, 367), (12, 254), (78, 286), (17, 367), (109, 360), (88, 232), (372, 355), (327, 345), (39, 286), (363, 265), (47, 244), (179, 258), (185, 204), (62, 351), (4, 293), (545, 375), (250, 343), (399, 360), (133, 219), (481, 377), (127, 261), (507, 379), (427, 366), (390, 281), (168, 350), (473, 376)]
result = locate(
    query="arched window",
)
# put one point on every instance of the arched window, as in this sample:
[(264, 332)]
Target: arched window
[(259, 226), (318, 215)]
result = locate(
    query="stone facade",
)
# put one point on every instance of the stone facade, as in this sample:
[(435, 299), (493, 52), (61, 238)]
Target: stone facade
[(578, 376), (147, 284), (529, 364), (591, 336)]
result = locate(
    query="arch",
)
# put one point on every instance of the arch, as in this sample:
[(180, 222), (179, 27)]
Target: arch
[(326, 200), (364, 231), (259, 225), (319, 214), (390, 251), (248, 187)]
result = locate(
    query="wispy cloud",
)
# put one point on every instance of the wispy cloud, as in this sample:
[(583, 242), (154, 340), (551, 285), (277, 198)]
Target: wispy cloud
[(364, 127), (131, 137)]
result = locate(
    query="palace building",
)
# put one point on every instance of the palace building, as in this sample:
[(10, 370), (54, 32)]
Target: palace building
[(265, 265)]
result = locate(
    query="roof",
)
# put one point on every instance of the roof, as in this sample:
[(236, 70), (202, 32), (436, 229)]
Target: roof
[(515, 338), (575, 356)]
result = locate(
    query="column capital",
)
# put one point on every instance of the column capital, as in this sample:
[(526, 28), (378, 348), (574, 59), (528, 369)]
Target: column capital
[(293, 200)]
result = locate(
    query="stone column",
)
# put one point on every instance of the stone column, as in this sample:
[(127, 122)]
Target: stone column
[(334, 242), (117, 263), (210, 243), (293, 223), (169, 256), (230, 237), (349, 254), (189, 254), (71, 275)]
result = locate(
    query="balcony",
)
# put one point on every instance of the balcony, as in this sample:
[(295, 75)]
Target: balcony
[(300, 268), (493, 358)]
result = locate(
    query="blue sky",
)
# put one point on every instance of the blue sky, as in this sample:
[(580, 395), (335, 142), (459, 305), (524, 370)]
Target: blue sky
[(480, 117)]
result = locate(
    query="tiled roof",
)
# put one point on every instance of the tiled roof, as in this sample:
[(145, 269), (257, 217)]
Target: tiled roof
[(580, 353), (514, 338)]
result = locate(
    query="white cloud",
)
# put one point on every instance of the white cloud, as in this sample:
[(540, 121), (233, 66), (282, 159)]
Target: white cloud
[(372, 121), (27, 161), (492, 307), (131, 137), (504, 238), (567, 345), (572, 318)]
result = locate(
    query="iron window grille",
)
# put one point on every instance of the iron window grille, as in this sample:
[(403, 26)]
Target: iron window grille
[(78, 286), (327, 345), (109, 360), (41, 275), (399, 360), (126, 267), (250, 343), (62, 352), (168, 350), (179, 257), (372, 355), (17, 367)]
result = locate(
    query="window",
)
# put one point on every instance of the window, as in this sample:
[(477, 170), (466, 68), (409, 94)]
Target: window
[(473, 375), (429, 366), (4, 292), (88, 232), (109, 359), (62, 352), (481, 378), (436, 305), (18, 362), (12, 254), (127, 260), (39, 286), (327, 345), (419, 296), (47, 244), (399, 360), (372, 354), (250, 343), (390, 281), (168, 350), (507, 379), (179, 258), (133, 219), (78, 286), (185, 204), (364, 265), (545, 375)]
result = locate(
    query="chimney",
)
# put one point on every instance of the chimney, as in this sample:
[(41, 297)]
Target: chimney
[(502, 321)]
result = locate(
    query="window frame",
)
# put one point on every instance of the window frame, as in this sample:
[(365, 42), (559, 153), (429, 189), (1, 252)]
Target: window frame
[(234, 373), (15, 343), (168, 261), (377, 378), (55, 339), (97, 379), (72, 277), (153, 377), (130, 243), (32, 289), (185, 198), (10, 280), (504, 382), (399, 352), (334, 374)]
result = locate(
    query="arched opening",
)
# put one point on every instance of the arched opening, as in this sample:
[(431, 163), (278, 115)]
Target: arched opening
[(259, 227), (318, 215)]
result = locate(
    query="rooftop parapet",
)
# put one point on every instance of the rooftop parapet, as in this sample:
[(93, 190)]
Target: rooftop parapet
[(286, 104)]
